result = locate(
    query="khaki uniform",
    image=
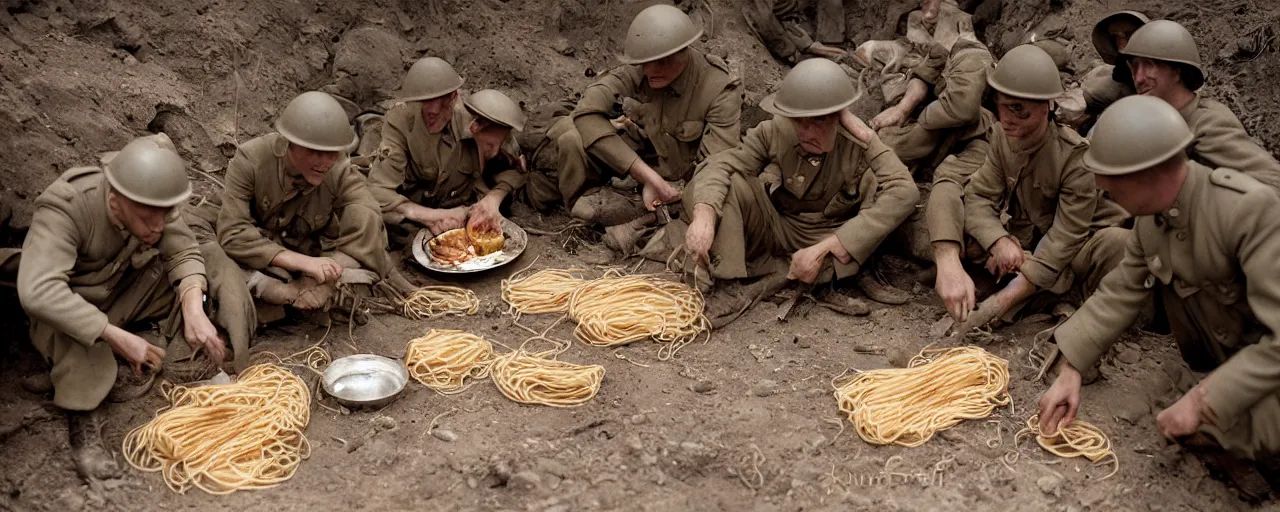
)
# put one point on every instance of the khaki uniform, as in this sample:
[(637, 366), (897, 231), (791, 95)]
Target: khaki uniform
[(1045, 198), (1221, 141), (779, 25), (698, 115), (435, 170), (772, 201), (84, 271), (267, 208), (1210, 260), (1101, 87)]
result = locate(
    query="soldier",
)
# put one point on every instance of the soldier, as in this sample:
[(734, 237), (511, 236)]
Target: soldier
[(441, 159), (812, 182), (1166, 64), (1107, 83), (690, 108), (108, 248), (1031, 192), (1201, 250), (295, 213), (777, 23)]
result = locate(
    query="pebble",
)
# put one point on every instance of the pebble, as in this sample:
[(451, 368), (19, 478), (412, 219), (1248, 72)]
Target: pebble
[(638, 419), (524, 481), (648, 459), (803, 342), (444, 435), (1133, 410), (703, 386), (1129, 356), (764, 388), (1049, 484), (633, 442)]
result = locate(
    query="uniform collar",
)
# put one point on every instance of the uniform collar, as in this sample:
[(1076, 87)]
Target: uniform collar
[(1178, 215), (1190, 107)]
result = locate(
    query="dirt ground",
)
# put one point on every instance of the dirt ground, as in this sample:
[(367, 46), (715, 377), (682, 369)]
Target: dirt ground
[(745, 421)]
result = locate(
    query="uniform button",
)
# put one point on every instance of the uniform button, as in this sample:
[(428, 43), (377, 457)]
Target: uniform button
[(1151, 281), (1173, 212), (1182, 236)]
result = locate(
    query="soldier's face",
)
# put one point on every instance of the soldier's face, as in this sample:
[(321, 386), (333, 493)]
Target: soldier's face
[(929, 10), (1155, 78), (1121, 31), (663, 71), (489, 137), (436, 112), (817, 134), (312, 164), (143, 221), (1021, 118)]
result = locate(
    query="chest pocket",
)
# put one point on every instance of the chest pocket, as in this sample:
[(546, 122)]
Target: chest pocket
[(848, 200)]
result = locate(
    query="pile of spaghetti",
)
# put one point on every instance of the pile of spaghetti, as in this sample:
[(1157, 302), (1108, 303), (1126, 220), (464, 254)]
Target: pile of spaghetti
[(434, 301), (614, 311), (226, 438), (443, 359), (544, 291), (938, 389), (536, 378), (1076, 439)]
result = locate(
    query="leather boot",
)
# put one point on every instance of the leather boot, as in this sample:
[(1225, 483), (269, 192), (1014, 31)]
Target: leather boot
[(92, 459), (882, 292)]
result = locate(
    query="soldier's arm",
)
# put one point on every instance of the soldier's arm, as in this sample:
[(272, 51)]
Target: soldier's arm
[(724, 122), (1223, 142), (510, 174), (48, 257), (1254, 371), (960, 103), (1089, 333), (892, 201), (711, 183), (1077, 201), (387, 173), (982, 198), (183, 260), (238, 234), (591, 117), (361, 235)]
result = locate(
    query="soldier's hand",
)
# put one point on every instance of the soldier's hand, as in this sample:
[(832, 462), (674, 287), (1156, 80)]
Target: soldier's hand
[(323, 270), (484, 215), (806, 263), (701, 234), (1006, 256), (445, 220), (955, 288), (659, 193), (200, 332), (133, 349), (314, 296), (1058, 405), (889, 117), (1184, 417)]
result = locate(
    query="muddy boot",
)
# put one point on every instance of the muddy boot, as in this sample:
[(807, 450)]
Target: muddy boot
[(129, 386), (314, 296), (625, 183), (724, 307), (606, 207), (625, 238), (882, 292), (38, 383), (1242, 474), (273, 291), (92, 459)]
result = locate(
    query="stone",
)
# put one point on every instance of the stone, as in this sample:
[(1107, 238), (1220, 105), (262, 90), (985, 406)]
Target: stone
[(1129, 356), (803, 342), (633, 441), (648, 459), (1132, 409), (764, 388), (524, 481), (1050, 484), (638, 419), (703, 386), (444, 435)]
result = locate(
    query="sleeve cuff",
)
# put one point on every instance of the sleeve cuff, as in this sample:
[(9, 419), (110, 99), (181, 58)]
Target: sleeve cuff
[(189, 282), (1081, 348), (1039, 273), (91, 329), (185, 270), (987, 237)]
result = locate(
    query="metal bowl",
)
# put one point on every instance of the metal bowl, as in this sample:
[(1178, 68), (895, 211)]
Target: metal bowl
[(365, 380), (517, 240)]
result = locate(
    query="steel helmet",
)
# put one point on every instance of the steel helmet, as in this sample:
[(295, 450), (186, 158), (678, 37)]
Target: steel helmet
[(814, 87), (149, 171), (496, 107), (429, 78), (1102, 40), (1027, 72), (657, 32), (1170, 42), (317, 121), (1136, 133)]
